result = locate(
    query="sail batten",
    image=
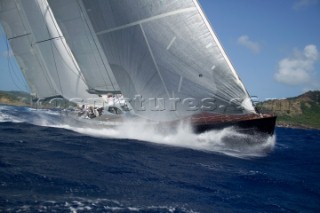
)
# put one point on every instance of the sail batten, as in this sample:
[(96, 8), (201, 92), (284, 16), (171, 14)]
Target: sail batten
[(49, 39), (26, 34)]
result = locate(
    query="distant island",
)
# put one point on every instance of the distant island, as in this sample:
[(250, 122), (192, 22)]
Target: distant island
[(17, 98), (301, 112)]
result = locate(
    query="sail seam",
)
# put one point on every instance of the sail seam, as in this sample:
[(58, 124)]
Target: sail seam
[(171, 42), (147, 20), (153, 59)]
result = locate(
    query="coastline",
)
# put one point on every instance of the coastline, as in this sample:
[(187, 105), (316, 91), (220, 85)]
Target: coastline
[(295, 126)]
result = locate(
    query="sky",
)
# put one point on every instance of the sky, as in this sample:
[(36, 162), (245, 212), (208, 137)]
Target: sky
[(274, 45)]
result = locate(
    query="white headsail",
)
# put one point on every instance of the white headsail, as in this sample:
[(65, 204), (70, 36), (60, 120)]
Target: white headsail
[(166, 49)]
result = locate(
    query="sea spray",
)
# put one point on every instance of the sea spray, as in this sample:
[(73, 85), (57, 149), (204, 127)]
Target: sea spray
[(227, 141)]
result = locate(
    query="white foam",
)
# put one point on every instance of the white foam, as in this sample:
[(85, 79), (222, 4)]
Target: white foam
[(227, 141), (84, 204), (4, 118), (9, 118)]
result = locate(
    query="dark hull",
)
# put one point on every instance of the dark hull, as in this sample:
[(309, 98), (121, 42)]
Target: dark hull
[(253, 124)]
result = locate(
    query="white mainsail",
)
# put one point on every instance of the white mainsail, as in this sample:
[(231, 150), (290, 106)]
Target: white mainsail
[(166, 49), (33, 32)]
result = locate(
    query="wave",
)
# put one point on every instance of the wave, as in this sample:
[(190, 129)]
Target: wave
[(226, 141), (79, 204)]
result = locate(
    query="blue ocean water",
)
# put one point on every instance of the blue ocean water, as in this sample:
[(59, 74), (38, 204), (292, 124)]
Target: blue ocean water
[(50, 164)]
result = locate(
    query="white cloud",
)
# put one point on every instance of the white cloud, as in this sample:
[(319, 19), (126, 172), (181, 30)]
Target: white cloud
[(298, 69), (302, 4), (251, 45)]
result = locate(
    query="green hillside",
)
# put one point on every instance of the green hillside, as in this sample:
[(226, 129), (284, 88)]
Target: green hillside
[(24, 99), (15, 98), (302, 111)]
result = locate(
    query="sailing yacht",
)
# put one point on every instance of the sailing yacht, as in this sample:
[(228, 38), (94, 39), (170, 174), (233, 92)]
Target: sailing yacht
[(163, 56)]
